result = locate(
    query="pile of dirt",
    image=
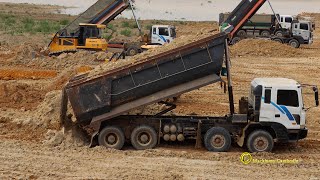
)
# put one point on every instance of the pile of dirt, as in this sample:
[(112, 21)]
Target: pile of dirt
[(36, 56), (263, 48), (20, 95), (178, 42)]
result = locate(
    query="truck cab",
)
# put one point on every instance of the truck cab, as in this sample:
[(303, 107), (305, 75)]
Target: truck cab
[(303, 29), (162, 34), (285, 21), (278, 103)]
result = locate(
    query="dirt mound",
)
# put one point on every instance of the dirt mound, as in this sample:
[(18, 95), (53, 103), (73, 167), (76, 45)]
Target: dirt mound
[(263, 48), (19, 95), (35, 56)]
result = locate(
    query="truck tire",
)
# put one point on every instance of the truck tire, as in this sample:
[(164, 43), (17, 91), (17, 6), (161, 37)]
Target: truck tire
[(242, 33), (132, 51), (278, 40), (265, 33), (111, 137), (235, 40), (279, 33), (294, 43), (144, 137), (217, 139), (260, 141)]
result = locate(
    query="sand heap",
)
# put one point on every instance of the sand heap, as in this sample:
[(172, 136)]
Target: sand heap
[(36, 56), (263, 48), (178, 42)]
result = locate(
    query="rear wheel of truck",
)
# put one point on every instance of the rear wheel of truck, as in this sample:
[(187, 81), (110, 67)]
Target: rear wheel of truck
[(265, 34), (111, 137), (279, 33), (217, 139), (235, 40), (260, 141), (294, 43), (278, 40), (132, 51), (242, 33), (144, 137)]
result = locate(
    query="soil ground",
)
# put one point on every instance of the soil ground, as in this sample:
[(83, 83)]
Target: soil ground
[(29, 109)]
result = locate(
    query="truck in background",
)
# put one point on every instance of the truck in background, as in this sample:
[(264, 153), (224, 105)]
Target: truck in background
[(157, 36), (262, 24), (86, 30), (301, 32), (273, 112)]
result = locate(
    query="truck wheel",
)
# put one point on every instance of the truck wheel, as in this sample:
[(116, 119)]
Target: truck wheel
[(235, 40), (144, 137), (111, 137), (265, 34), (242, 33), (260, 141), (294, 43), (278, 40), (132, 51), (279, 33), (217, 139)]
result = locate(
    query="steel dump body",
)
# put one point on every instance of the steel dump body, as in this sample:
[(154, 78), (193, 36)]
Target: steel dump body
[(162, 76)]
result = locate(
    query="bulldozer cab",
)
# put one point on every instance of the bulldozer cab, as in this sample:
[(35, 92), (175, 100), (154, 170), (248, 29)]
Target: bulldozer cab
[(89, 31)]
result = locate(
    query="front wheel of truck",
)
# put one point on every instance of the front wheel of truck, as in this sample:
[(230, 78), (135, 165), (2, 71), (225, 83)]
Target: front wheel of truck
[(111, 137), (294, 43), (260, 141)]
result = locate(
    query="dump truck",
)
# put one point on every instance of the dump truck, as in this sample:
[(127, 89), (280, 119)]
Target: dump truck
[(86, 30), (262, 24), (157, 36), (300, 32), (273, 112)]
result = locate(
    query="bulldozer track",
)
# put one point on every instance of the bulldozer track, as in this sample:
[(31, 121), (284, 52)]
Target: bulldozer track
[(27, 74)]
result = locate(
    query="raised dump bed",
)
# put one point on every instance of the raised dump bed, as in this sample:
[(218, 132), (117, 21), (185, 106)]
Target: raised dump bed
[(165, 75)]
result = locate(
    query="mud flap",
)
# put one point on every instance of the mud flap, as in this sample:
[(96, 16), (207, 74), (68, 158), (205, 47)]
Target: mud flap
[(91, 139), (199, 138), (240, 140), (96, 128)]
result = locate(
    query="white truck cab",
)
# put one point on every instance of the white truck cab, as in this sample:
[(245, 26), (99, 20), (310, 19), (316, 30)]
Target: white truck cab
[(162, 34), (303, 29), (285, 21), (278, 102)]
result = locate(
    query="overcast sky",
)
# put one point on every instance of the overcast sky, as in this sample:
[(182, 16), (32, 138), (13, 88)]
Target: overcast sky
[(201, 10)]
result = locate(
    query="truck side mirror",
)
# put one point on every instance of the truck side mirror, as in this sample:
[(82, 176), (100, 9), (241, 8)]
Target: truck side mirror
[(316, 95)]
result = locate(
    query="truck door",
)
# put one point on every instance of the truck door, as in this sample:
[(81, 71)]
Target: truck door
[(304, 31), (155, 39), (267, 110), (288, 108)]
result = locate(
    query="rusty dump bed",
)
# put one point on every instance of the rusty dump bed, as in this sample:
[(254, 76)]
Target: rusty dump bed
[(163, 76)]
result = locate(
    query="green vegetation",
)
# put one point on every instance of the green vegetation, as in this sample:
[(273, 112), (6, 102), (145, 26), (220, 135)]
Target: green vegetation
[(64, 22), (125, 24), (148, 27), (126, 32), (20, 24)]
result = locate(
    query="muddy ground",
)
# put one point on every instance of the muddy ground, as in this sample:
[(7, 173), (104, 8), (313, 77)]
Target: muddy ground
[(34, 145)]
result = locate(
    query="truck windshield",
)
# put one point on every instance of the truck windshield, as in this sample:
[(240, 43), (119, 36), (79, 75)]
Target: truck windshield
[(304, 26), (163, 31)]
